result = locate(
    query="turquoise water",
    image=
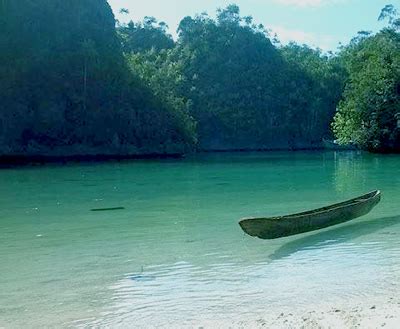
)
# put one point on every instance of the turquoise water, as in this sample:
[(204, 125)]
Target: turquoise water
[(176, 255)]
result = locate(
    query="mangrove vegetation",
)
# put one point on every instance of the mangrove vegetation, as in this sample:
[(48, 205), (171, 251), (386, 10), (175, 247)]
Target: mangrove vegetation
[(74, 81)]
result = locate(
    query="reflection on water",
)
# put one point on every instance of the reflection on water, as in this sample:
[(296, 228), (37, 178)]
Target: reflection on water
[(348, 171), (176, 254)]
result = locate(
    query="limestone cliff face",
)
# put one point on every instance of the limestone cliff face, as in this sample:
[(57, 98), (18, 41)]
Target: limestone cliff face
[(66, 89)]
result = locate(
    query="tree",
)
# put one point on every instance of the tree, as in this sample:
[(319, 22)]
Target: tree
[(317, 85), (164, 77), (369, 111), (389, 12), (248, 94), (146, 35)]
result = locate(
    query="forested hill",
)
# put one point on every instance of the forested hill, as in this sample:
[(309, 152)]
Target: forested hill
[(246, 92), (66, 88), (73, 82)]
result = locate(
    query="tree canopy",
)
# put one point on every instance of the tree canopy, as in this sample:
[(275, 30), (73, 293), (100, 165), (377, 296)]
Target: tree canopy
[(243, 91), (75, 81), (369, 113), (146, 35), (66, 86)]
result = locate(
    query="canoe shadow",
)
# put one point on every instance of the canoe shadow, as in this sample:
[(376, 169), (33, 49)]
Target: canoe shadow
[(333, 236)]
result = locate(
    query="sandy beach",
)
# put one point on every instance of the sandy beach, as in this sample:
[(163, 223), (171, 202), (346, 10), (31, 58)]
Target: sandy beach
[(375, 316), (369, 315)]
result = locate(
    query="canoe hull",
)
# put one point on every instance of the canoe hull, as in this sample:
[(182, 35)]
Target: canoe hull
[(278, 227)]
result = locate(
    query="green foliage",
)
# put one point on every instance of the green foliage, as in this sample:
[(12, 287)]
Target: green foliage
[(317, 84), (369, 111), (241, 90), (248, 94), (66, 86), (73, 80), (146, 35), (389, 12), (164, 77)]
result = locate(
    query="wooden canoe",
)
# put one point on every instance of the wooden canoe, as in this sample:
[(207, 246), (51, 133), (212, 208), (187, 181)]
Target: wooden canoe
[(278, 227)]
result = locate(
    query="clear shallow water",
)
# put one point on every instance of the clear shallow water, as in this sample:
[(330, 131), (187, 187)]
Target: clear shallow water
[(176, 255)]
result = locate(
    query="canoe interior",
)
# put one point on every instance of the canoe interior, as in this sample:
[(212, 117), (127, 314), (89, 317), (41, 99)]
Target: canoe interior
[(350, 202), (282, 226)]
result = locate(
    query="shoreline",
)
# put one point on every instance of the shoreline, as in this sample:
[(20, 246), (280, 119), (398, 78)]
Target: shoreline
[(373, 315), (7, 161), (370, 313), (18, 160)]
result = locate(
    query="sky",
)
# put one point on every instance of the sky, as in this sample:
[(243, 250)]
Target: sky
[(318, 23)]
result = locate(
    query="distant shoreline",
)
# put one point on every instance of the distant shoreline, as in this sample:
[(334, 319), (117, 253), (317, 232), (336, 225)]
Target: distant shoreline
[(7, 161), (22, 160)]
